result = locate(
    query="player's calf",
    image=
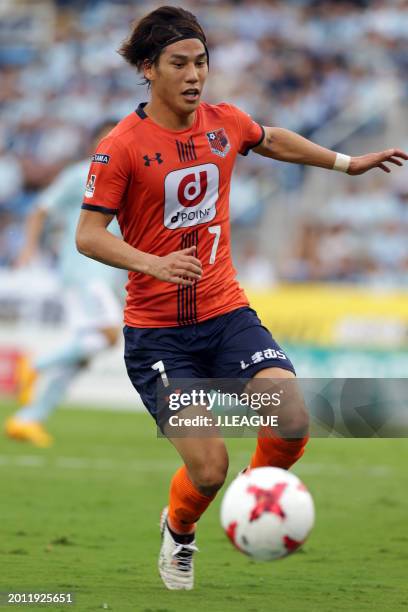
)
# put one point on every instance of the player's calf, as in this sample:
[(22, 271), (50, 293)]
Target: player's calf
[(283, 446)]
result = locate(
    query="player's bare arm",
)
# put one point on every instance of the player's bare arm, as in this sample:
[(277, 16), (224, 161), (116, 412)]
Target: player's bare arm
[(285, 145), (94, 240), (33, 230)]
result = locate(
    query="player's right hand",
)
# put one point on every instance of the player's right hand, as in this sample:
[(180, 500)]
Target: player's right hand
[(180, 267)]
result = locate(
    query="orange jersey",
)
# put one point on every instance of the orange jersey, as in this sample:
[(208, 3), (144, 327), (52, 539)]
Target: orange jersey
[(170, 190)]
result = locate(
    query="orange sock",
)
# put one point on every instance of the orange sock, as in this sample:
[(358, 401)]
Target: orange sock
[(187, 504), (277, 452)]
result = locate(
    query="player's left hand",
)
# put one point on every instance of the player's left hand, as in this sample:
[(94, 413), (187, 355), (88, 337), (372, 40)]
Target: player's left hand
[(363, 163)]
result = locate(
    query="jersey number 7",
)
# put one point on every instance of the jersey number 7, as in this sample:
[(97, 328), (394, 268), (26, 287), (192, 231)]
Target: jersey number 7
[(216, 230)]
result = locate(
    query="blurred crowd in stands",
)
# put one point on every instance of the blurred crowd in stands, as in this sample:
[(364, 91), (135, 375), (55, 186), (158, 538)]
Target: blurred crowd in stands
[(295, 64), (361, 237)]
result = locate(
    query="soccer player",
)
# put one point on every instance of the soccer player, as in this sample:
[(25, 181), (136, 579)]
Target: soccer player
[(167, 178), (92, 306)]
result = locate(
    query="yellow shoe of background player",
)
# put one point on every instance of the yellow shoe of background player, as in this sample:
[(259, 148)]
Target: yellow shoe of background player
[(26, 377), (28, 431)]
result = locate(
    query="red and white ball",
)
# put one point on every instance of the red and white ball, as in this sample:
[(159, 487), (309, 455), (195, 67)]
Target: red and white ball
[(267, 513)]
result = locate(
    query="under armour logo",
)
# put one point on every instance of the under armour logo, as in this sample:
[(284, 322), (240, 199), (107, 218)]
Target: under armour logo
[(148, 159)]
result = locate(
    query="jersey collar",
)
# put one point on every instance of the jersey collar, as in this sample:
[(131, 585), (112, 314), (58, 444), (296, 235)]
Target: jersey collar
[(140, 112)]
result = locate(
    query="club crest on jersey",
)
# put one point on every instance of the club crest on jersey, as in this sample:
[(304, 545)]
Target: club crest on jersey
[(101, 158), (219, 143), (90, 186)]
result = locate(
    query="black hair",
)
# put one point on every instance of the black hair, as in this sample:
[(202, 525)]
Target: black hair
[(155, 31)]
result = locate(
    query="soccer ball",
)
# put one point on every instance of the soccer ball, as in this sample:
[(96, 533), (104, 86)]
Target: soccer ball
[(267, 513)]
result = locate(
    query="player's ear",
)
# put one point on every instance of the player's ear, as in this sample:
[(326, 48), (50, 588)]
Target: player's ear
[(148, 70)]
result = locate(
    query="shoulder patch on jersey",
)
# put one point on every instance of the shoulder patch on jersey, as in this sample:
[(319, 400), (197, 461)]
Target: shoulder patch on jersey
[(101, 158), (219, 143), (90, 186)]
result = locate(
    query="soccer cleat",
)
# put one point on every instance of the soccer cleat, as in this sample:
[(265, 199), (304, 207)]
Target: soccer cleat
[(28, 431), (26, 377), (176, 566)]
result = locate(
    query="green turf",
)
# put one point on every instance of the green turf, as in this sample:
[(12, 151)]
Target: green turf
[(83, 517)]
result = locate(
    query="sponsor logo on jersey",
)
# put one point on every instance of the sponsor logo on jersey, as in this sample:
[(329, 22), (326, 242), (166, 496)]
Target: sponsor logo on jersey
[(259, 356), (191, 196), (101, 158), (219, 143), (90, 186)]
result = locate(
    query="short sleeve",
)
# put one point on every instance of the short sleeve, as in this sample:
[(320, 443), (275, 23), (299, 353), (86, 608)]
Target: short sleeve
[(251, 132), (108, 178)]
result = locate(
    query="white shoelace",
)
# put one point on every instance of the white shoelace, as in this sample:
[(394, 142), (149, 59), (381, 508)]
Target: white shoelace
[(184, 561)]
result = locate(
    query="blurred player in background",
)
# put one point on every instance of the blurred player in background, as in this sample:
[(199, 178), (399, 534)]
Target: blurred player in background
[(90, 303), (167, 178)]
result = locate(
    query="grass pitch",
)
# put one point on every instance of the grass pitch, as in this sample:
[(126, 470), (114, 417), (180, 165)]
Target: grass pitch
[(83, 517)]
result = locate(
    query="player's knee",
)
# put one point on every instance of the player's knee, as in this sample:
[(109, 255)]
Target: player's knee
[(210, 476), (208, 482), (296, 425)]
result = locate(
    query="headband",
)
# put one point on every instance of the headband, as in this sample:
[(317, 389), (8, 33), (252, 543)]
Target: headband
[(182, 37)]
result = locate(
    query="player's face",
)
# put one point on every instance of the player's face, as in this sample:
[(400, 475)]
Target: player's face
[(178, 79)]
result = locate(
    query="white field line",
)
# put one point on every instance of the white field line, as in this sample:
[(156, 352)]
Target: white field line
[(81, 463), (104, 405), (141, 465), (29, 461)]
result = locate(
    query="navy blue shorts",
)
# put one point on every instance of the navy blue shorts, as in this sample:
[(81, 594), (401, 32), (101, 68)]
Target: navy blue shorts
[(234, 345)]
